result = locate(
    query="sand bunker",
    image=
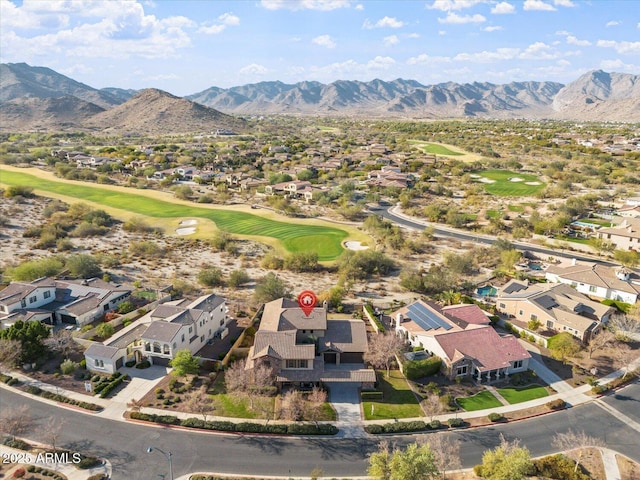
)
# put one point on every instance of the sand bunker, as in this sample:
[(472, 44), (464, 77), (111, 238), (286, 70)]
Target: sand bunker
[(186, 223), (532, 183), (355, 246), (516, 179), (186, 231), (487, 180), (474, 175)]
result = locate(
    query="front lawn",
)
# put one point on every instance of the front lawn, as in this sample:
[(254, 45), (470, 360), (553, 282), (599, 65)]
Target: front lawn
[(398, 400), (519, 395), (480, 401)]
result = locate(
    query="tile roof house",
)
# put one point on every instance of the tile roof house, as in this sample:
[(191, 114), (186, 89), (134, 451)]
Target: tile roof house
[(307, 350), (625, 236), (557, 306), (77, 302), (158, 335), (596, 280), (462, 337)]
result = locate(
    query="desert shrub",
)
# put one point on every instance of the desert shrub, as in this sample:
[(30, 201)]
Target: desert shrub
[(455, 422), (495, 417), (86, 229), (126, 307), (435, 424), (137, 225), (68, 367), (555, 404), (146, 249), (64, 245), (18, 191), (272, 261), (31, 270), (83, 266), (238, 278), (210, 277), (558, 466), (88, 462)]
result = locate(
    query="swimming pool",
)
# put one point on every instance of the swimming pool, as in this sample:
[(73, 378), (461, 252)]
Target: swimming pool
[(487, 291)]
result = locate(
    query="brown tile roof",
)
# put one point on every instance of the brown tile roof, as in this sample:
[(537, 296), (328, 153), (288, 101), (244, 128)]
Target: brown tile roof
[(597, 275), (488, 350), (413, 327), (345, 336), (467, 313), (284, 344), (284, 314)]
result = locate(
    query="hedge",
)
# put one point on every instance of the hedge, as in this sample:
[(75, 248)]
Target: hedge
[(8, 379), (244, 427), (555, 404), (397, 427), (109, 387), (415, 369), (375, 319), (371, 395), (62, 399), (455, 422)]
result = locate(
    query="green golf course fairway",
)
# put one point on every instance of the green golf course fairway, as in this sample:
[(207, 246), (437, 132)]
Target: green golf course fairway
[(295, 237)]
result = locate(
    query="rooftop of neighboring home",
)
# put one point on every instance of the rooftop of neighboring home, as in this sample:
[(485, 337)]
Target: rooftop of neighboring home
[(425, 317), (590, 273), (630, 227)]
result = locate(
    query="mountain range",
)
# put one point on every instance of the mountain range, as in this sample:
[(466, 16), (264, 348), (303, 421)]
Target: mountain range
[(40, 98)]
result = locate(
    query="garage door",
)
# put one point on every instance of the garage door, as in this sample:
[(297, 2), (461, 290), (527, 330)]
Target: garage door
[(119, 363), (68, 319)]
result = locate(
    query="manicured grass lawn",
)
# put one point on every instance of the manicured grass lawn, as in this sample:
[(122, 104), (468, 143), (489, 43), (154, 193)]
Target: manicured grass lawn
[(516, 208), (479, 401), (494, 213), (519, 395), (566, 238), (434, 148), (398, 401), (504, 187), (295, 237)]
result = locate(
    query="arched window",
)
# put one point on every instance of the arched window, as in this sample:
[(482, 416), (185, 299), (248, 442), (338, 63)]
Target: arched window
[(147, 347), (156, 347), (165, 349)]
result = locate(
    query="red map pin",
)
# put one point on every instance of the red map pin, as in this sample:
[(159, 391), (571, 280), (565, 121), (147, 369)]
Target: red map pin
[(307, 300)]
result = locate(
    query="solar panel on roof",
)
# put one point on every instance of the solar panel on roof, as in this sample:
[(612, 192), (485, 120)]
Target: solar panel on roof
[(427, 319)]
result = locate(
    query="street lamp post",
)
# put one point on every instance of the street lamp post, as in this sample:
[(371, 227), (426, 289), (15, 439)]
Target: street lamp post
[(168, 456)]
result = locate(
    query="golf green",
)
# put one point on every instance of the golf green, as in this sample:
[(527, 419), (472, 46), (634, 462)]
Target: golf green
[(510, 184), (295, 237)]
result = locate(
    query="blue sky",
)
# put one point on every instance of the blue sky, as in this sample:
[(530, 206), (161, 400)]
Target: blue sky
[(187, 46)]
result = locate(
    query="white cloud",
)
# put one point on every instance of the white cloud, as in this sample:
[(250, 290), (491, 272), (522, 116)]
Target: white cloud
[(324, 5), (424, 59), (564, 3), (352, 69), (460, 19), (619, 65), (225, 20), (613, 23), (621, 47), (390, 40), (494, 28), (503, 8), (324, 41), (488, 56), (162, 76), (100, 29), (253, 69), (385, 22), (442, 32), (448, 5), (574, 41), (539, 51), (538, 5), (359, 7), (413, 35)]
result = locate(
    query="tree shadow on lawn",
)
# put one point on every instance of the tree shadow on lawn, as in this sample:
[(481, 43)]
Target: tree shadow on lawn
[(344, 448)]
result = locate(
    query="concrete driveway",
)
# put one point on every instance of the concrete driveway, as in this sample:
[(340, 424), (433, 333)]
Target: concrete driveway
[(537, 365), (345, 399)]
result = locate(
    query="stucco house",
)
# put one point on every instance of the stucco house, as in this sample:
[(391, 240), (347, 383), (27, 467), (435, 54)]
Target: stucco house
[(596, 280), (462, 337), (557, 306), (76, 302), (310, 350), (625, 236), (158, 335)]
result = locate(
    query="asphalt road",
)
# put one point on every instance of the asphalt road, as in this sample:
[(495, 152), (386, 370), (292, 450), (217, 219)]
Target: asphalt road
[(439, 231), (125, 444)]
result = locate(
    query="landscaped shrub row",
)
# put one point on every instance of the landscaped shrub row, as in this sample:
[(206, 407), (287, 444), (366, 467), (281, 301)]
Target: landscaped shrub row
[(109, 387), (456, 422), (415, 369), (246, 427), (375, 319), (8, 379), (495, 417), (62, 399), (398, 427), (44, 472), (16, 443), (371, 395)]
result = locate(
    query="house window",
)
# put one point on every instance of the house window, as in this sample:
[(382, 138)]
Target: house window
[(592, 288), (296, 363), (461, 370), (502, 305), (147, 347), (517, 364), (190, 329), (520, 313), (33, 298), (549, 324), (202, 338), (23, 302), (534, 316), (222, 322), (46, 294), (183, 338), (99, 363), (174, 345), (165, 349), (156, 347)]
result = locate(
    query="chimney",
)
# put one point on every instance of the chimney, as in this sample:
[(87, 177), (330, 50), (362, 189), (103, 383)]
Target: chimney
[(399, 318), (573, 262)]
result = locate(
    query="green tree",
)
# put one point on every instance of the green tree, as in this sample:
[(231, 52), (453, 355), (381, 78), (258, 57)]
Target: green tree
[(508, 259), (105, 330), (183, 192), (563, 346), (302, 262), (184, 363), (31, 270), (628, 258), (270, 287), (416, 462), (508, 461), (31, 336)]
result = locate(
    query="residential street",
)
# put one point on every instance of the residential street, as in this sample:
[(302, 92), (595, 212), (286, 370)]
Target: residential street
[(125, 444)]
